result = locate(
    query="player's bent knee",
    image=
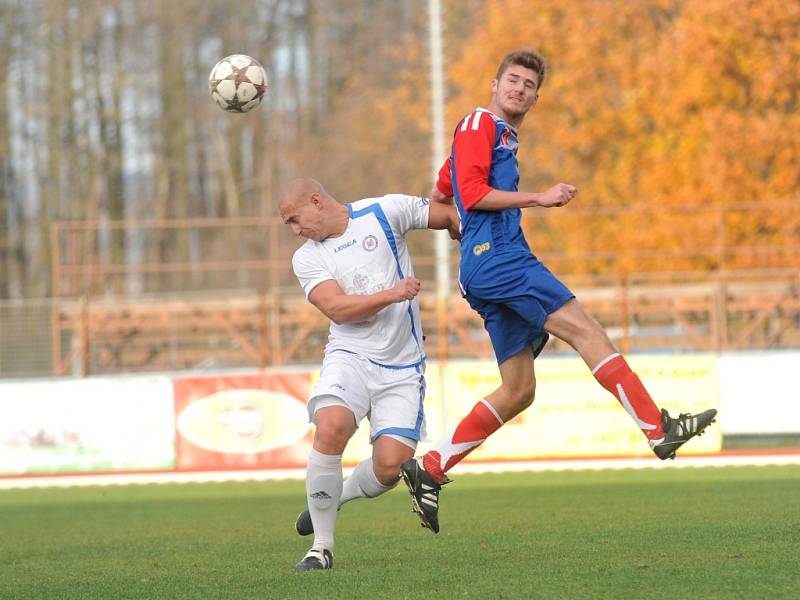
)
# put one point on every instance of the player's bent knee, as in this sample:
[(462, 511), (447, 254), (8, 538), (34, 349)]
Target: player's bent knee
[(525, 401), (332, 436), (391, 464), (388, 457), (387, 474), (335, 426)]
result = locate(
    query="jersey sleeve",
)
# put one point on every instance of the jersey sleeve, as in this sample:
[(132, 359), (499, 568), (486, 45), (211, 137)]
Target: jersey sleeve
[(444, 184), (308, 269), (406, 212), (472, 148)]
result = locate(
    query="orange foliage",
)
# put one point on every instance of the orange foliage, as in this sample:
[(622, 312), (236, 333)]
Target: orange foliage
[(664, 112)]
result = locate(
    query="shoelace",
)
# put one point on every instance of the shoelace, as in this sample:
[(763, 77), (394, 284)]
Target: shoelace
[(683, 421)]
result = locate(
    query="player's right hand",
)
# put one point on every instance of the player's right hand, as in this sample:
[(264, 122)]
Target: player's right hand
[(558, 195), (407, 288)]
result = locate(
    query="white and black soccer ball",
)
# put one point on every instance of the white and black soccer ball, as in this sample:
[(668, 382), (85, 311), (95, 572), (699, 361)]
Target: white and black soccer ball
[(237, 83)]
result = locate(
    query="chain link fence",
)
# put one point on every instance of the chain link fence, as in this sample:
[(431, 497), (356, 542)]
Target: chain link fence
[(26, 338)]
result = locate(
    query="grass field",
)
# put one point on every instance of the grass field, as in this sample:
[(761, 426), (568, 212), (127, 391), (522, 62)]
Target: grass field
[(669, 533)]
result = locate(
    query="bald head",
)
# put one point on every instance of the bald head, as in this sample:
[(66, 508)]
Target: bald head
[(299, 191), (310, 211)]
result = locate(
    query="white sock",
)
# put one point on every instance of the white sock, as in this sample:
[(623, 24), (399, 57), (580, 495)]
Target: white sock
[(323, 490), (363, 483)]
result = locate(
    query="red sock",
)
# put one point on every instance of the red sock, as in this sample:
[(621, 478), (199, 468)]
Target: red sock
[(616, 376), (480, 423)]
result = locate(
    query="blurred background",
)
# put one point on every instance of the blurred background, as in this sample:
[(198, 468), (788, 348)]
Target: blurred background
[(138, 228)]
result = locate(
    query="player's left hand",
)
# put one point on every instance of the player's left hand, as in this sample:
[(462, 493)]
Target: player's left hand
[(558, 195)]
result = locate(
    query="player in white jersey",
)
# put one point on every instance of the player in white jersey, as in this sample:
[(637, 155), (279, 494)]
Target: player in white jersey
[(356, 269)]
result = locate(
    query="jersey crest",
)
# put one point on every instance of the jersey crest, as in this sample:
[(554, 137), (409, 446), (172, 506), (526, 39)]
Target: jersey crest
[(370, 243)]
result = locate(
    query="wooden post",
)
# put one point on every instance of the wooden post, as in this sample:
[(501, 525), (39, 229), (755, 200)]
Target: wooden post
[(55, 305), (626, 332), (263, 343), (722, 311), (723, 291), (85, 335), (275, 328)]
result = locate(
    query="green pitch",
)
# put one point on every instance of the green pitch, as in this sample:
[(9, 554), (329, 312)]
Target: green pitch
[(678, 533)]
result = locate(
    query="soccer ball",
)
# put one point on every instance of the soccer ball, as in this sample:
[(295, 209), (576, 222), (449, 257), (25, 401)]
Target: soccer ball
[(237, 83)]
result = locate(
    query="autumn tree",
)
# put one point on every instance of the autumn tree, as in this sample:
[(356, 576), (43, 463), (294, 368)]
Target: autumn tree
[(661, 112)]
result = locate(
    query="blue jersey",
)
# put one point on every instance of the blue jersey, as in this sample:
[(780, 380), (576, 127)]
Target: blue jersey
[(500, 277), (484, 157)]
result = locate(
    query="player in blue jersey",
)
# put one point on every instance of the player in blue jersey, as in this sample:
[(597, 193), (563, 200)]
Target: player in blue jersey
[(520, 300), (355, 268)]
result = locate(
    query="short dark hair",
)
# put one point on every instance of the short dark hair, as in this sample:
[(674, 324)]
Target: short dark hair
[(524, 57)]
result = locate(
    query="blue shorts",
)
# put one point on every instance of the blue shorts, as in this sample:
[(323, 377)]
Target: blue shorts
[(515, 305)]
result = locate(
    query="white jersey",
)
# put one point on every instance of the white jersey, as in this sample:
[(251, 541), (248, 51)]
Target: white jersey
[(370, 256)]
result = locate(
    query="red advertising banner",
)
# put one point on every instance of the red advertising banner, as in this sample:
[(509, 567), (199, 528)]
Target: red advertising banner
[(242, 421)]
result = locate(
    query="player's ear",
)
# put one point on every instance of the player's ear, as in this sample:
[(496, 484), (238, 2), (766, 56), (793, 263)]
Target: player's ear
[(494, 86)]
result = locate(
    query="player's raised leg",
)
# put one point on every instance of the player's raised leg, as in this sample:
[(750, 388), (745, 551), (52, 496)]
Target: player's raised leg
[(664, 433)]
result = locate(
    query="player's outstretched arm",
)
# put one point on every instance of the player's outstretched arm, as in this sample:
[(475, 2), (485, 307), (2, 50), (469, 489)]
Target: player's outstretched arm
[(444, 216), (558, 195), (341, 308)]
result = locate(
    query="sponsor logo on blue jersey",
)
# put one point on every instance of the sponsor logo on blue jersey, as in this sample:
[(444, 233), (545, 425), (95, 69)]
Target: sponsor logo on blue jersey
[(481, 248)]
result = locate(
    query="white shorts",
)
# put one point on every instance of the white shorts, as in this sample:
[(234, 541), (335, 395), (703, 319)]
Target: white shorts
[(392, 398)]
